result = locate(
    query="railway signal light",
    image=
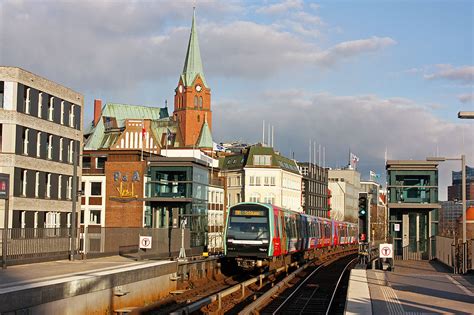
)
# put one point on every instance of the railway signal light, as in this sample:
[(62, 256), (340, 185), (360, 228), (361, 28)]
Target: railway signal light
[(363, 216)]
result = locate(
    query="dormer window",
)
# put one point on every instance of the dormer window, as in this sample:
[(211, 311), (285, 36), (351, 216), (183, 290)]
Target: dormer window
[(262, 160), (50, 108)]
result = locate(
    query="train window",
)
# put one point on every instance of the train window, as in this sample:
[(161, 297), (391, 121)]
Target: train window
[(277, 226)]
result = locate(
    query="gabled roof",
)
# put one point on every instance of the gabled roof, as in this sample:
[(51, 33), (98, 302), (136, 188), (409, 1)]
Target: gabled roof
[(205, 137), (121, 112), (193, 63)]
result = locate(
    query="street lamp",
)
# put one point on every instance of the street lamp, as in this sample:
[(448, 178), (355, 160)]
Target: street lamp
[(466, 115), (463, 167)]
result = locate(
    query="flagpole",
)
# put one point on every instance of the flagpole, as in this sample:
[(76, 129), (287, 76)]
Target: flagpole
[(143, 135)]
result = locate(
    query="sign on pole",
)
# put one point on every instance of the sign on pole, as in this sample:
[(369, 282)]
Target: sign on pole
[(385, 251), (145, 242)]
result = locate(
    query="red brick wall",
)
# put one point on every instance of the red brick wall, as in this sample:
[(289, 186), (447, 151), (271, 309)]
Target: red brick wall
[(124, 212)]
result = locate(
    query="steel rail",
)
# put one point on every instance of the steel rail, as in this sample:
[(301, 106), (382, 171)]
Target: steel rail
[(337, 286), (297, 288)]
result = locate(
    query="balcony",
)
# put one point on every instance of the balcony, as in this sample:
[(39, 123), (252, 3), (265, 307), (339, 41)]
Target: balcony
[(168, 189)]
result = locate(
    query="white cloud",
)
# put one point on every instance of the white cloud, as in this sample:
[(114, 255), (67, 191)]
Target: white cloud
[(281, 7), (466, 98), (463, 74), (365, 123)]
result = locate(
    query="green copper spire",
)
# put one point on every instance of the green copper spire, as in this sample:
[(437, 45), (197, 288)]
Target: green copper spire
[(205, 138), (193, 63)]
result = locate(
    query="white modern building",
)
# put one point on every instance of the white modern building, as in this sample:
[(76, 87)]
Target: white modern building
[(345, 187)]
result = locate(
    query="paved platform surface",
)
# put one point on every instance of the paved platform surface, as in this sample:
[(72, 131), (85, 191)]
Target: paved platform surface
[(39, 272), (420, 287)]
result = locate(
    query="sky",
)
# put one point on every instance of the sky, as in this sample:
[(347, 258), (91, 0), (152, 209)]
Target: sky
[(377, 78)]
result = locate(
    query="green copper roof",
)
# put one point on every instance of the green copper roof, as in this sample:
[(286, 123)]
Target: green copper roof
[(121, 112), (205, 138), (192, 63)]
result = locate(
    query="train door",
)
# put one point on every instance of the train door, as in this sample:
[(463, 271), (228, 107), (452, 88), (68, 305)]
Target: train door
[(276, 234), (284, 232)]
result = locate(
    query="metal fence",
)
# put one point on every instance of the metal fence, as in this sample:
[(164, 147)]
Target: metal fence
[(26, 245), (456, 255)]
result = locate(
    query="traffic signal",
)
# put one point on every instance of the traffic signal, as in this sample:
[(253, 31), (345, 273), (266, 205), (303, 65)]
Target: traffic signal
[(363, 216), (362, 205)]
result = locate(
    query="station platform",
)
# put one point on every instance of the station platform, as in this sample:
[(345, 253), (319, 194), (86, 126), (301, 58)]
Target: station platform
[(413, 287)]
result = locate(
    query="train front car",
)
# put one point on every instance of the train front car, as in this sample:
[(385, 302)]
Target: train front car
[(248, 234)]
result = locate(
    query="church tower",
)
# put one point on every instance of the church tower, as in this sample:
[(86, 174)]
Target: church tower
[(192, 100)]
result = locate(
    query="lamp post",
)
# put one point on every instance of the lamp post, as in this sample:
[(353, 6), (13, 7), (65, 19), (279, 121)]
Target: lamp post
[(463, 189)]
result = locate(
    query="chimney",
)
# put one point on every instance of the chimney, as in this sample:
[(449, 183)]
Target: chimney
[(97, 111)]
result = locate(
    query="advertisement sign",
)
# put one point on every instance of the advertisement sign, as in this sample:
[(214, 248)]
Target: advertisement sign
[(4, 185)]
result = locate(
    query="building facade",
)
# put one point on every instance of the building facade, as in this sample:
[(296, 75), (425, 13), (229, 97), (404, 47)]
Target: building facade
[(413, 207), (260, 174), (344, 185), (455, 190), (40, 134), (314, 189)]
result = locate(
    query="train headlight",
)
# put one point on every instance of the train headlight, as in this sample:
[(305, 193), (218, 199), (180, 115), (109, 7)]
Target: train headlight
[(264, 241)]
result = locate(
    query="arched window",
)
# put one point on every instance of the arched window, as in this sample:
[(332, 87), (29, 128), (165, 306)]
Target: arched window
[(199, 118), (195, 101), (200, 102)]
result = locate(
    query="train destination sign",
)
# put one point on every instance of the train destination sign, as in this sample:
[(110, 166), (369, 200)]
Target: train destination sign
[(4, 185), (250, 213)]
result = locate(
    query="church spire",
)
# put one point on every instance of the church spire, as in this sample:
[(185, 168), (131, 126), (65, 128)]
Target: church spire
[(192, 63)]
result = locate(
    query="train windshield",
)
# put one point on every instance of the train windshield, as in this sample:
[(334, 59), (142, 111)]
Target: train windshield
[(248, 224)]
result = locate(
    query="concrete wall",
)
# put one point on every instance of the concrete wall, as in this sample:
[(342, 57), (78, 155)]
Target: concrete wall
[(100, 292)]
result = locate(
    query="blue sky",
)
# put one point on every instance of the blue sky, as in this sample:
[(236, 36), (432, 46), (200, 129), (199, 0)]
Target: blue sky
[(368, 75)]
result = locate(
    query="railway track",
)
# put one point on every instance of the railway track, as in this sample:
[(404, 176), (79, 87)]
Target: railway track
[(314, 294)]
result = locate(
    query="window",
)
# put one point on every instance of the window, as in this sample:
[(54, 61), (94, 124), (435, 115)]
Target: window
[(262, 160), (200, 102), (86, 162), (272, 181), (255, 197), (23, 183), (50, 108), (195, 101), (27, 100), (82, 217), (60, 186), (199, 118), (38, 144), (50, 146), (94, 217), (100, 162), (71, 150), (26, 133), (266, 181), (238, 198), (62, 112), (40, 104), (71, 116), (37, 185), (257, 180), (96, 189), (48, 186), (83, 188), (61, 149), (252, 180), (69, 187)]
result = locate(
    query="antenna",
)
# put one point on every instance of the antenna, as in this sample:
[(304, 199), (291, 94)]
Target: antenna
[(263, 134), (319, 155), (309, 161), (324, 157), (273, 134)]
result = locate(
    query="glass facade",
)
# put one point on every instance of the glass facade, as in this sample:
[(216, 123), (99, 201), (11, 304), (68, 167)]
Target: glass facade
[(179, 192)]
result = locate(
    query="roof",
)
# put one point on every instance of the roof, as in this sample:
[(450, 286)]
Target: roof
[(246, 159), (193, 63), (205, 137), (121, 112)]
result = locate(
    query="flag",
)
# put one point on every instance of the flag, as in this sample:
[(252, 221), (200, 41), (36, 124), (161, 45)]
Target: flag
[(143, 131), (373, 175), (218, 147), (354, 160)]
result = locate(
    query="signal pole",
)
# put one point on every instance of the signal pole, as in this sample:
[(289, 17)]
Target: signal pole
[(363, 228)]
